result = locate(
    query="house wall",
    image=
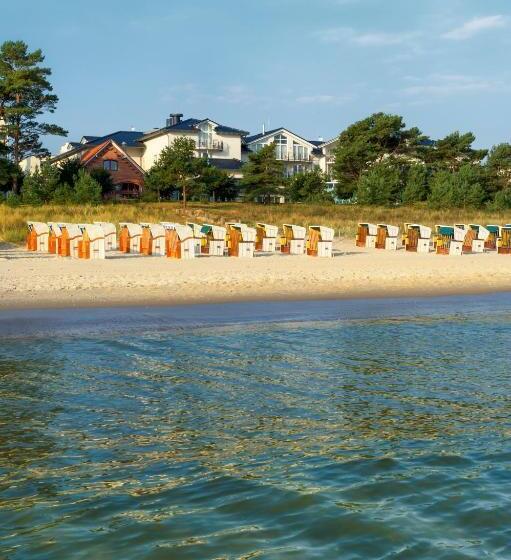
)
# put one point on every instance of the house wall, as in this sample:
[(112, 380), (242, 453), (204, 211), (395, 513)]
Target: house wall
[(126, 172)]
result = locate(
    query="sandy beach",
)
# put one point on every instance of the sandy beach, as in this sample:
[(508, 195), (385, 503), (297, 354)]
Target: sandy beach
[(29, 280)]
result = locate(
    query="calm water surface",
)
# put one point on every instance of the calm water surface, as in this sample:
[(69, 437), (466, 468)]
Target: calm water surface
[(329, 430)]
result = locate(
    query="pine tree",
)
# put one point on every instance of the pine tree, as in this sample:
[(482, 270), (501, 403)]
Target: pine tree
[(263, 175), (87, 190), (25, 95)]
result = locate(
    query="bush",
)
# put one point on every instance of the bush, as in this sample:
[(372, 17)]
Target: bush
[(309, 186), (502, 200), (63, 194), (87, 189), (12, 199), (416, 187), (380, 185), (40, 186), (458, 189)]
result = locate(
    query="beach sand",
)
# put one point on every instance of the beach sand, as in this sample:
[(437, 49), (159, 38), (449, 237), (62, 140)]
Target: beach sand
[(29, 280)]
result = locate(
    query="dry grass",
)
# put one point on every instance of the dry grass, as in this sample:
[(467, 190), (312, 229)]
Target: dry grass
[(343, 218)]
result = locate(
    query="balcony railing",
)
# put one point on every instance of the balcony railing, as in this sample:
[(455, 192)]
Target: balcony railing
[(294, 157), (213, 145)]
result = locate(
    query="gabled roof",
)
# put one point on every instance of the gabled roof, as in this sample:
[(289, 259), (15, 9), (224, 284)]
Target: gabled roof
[(227, 164), (96, 149), (191, 125), (265, 135), (86, 139)]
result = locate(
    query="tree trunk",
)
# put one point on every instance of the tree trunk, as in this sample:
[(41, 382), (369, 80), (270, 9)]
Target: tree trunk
[(184, 196)]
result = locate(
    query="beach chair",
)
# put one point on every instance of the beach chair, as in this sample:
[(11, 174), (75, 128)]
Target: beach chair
[(92, 244), (198, 236), (504, 242), (241, 240), (386, 237), (293, 239), (69, 240), (213, 242), (53, 240), (417, 238), (179, 241), (130, 237), (320, 241), (494, 235), (38, 237), (110, 232), (266, 238), (449, 240), (481, 235), (366, 235)]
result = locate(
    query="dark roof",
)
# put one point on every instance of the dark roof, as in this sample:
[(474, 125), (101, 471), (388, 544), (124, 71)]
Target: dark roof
[(89, 138), (250, 139), (75, 144), (128, 137), (191, 124), (317, 142), (226, 164)]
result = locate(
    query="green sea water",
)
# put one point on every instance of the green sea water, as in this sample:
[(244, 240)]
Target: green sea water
[(329, 430)]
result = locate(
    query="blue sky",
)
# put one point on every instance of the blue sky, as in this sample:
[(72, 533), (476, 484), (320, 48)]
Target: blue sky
[(313, 66)]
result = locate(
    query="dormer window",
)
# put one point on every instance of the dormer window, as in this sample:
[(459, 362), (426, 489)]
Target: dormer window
[(110, 165)]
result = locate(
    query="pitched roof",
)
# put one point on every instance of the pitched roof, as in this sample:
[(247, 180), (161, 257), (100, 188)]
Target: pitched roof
[(261, 135), (86, 139), (98, 148), (191, 125), (127, 137)]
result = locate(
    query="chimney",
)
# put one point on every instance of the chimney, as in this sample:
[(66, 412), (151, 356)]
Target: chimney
[(174, 118)]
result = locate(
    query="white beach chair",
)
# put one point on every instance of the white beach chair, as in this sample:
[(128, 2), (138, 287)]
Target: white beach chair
[(320, 241), (179, 241), (92, 244), (293, 239), (366, 235), (266, 239), (417, 238), (110, 232), (130, 237), (38, 237), (215, 237), (241, 240)]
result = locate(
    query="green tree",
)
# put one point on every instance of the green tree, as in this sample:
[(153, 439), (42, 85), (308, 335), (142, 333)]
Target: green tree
[(25, 95), (87, 190), (371, 140), (176, 168), (416, 186), (68, 171), (64, 194), (104, 178), (458, 189), (263, 175), (502, 200), (39, 187), (381, 184), (217, 184), (309, 186), (498, 166), (453, 151), (8, 171)]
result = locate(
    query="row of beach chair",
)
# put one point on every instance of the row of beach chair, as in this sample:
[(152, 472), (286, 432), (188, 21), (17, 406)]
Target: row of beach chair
[(457, 239), (181, 241)]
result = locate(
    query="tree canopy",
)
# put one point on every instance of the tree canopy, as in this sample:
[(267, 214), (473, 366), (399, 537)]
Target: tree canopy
[(263, 175), (25, 95)]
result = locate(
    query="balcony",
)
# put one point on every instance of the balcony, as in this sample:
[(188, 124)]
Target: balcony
[(210, 145), (294, 157)]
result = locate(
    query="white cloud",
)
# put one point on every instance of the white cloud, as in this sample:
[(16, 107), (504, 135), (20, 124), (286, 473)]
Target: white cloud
[(475, 26), (443, 85), (370, 39)]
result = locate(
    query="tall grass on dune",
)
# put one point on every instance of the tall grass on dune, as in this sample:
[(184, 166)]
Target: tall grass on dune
[(343, 219)]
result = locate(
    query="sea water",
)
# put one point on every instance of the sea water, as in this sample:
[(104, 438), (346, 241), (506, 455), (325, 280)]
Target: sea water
[(329, 430)]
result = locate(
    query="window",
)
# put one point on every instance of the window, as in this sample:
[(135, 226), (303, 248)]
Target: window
[(206, 135), (300, 153), (110, 165), (280, 146)]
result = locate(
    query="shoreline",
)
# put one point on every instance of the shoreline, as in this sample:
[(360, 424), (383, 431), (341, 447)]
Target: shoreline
[(35, 281)]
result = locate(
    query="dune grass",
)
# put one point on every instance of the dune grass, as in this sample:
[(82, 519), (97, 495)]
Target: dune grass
[(343, 219)]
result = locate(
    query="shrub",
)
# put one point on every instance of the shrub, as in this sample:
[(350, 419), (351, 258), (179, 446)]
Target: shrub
[(416, 187), (12, 199), (502, 200), (458, 189), (87, 189), (380, 185)]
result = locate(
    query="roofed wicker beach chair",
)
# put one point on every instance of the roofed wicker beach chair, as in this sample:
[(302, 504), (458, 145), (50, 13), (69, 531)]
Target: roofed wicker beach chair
[(417, 238), (449, 240), (293, 239), (491, 241), (130, 237), (198, 236), (366, 235), (110, 232), (320, 241), (92, 245), (214, 240), (152, 241), (53, 240), (481, 236), (266, 238), (69, 240), (504, 242), (241, 241), (386, 237), (179, 241), (38, 237)]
